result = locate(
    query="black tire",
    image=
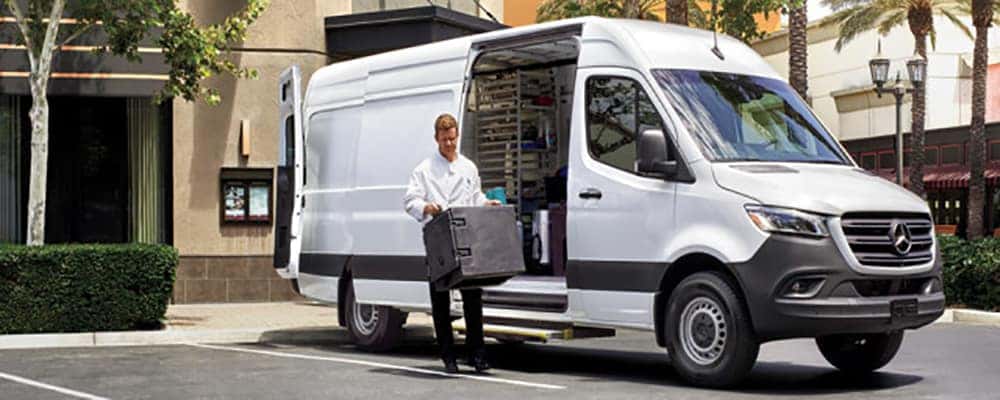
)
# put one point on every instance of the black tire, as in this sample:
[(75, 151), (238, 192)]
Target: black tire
[(714, 345), (372, 328), (860, 353)]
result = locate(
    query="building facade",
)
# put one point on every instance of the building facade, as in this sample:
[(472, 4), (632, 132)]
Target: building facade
[(123, 168), (842, 94)]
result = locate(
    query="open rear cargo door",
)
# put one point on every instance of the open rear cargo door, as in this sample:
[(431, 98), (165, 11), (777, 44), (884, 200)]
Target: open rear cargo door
[(290, 174)]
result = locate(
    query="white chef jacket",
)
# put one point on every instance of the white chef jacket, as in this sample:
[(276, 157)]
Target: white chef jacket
[(448, 184)]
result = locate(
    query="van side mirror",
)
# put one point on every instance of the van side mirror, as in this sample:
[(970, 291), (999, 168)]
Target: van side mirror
[(652, 159)]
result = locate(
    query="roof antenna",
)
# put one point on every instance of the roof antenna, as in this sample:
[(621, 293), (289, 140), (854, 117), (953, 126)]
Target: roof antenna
[(715, 35)]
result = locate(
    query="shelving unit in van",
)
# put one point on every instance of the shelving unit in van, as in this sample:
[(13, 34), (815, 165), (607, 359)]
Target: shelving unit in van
[(515, 132)]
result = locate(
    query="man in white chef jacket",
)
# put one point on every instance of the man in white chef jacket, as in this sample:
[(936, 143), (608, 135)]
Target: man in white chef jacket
[(448, 179)]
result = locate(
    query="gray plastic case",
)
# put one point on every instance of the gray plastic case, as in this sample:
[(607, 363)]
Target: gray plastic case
[(470, 247)]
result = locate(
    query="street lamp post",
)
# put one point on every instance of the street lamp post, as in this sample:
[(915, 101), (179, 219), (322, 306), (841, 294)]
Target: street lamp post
[(916, 68)]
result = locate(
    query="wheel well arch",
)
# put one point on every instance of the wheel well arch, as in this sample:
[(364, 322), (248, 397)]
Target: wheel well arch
[(682, 268), (345, 279)]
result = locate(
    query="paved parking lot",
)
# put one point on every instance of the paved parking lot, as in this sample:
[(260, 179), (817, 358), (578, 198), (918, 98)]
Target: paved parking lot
[(939, 362)]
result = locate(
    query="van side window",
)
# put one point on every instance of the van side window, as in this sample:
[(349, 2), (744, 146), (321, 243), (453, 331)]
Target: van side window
[(618, 110)]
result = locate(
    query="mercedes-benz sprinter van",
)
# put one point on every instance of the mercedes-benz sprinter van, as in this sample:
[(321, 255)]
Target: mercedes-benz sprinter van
[(684, 188)]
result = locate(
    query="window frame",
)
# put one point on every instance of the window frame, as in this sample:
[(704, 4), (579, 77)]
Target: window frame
[(989, 154), (861, 161), (672, 151), (961, 155), (878, 160)]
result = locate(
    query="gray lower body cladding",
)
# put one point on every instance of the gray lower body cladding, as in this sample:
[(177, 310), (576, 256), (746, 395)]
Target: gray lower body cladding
[(846, 301)]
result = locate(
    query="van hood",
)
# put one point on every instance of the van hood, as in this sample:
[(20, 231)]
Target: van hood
[(820, 188)]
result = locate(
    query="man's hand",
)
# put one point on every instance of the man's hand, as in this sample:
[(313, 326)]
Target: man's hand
[(432, 209), (493, 202)]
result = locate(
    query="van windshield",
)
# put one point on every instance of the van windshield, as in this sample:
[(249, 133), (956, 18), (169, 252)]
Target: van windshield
[(747, 118)]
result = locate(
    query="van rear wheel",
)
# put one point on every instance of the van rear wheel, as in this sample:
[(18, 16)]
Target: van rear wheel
[(861, 353), (710, 339), (371, 327)]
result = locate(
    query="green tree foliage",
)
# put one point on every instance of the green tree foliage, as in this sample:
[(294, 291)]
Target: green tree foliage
[(551, 10), (193, 53), (732, 17), (858, 16), (736, 17)]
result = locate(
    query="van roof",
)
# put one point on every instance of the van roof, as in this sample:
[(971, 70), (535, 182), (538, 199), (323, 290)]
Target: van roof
[(650, 44)]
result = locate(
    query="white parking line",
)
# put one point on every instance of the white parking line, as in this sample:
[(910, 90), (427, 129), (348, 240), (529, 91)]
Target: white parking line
[(383, 365), (53, 388)]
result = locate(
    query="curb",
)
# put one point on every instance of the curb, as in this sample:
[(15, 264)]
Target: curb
[(976, 317), (169, 337)]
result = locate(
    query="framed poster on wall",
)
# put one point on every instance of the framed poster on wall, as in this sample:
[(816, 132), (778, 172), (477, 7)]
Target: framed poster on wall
[(234, 202), (246, 195), (260, 201)]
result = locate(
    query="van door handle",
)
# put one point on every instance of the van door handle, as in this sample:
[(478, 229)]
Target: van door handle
[(591, 193)]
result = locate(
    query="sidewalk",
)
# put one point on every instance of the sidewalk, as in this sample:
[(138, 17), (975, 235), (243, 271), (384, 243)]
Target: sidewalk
[(214, 323)]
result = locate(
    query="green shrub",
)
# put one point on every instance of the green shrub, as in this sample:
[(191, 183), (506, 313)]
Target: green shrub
[(84, 288), (971, 272)]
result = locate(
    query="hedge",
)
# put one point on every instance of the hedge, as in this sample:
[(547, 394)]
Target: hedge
[(971, 272), (84, 288)]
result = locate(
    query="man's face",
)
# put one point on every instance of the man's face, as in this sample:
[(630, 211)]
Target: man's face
[(447, 142)]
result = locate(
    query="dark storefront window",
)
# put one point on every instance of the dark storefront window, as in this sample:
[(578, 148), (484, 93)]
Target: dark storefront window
[(906, 158), (868, 161), (951, 155), (108, 175), (887, 160), (995, 151)]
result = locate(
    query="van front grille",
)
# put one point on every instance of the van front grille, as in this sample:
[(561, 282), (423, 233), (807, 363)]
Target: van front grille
[(889, 240)]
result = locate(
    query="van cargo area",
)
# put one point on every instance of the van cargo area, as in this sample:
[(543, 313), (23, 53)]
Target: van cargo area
[(516, 129)]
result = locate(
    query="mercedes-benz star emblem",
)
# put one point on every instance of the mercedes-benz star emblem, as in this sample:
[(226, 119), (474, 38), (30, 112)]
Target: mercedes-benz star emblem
[(899, 233)]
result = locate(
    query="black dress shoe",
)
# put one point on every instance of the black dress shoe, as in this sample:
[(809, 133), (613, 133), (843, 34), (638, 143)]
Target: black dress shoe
[(478, 361), (450, 366)]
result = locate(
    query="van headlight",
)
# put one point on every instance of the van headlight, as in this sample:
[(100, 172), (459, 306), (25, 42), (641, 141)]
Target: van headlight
[(788, 221)]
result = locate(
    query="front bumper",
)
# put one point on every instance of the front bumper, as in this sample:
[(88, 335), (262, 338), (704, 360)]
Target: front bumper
[(846, 301)]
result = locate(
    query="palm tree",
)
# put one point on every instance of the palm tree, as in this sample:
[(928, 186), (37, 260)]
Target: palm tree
[(982, 12), (677, 11), (858, 16), (798, 66)]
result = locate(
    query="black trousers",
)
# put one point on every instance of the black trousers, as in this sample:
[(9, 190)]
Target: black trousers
[(472, 304)]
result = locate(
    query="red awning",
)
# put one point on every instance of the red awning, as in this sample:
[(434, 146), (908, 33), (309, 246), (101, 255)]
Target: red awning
[(945, 179)]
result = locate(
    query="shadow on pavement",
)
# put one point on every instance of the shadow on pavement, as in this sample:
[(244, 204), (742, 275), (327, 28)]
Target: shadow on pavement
[(602, 365)]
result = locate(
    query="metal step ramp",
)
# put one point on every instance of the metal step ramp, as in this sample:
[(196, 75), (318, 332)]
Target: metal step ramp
[(535, 334)]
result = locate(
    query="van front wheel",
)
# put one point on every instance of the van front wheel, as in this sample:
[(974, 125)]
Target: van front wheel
[(371, 327), (860, 354), (709, 336)]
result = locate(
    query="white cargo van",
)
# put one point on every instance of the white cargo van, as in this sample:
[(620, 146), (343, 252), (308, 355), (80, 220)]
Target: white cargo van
[(684, 189)]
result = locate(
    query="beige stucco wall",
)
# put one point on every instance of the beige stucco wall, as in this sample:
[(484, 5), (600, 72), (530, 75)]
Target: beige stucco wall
[(206, 138)]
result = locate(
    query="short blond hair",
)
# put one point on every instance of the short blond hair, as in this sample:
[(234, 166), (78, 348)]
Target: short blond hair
[(444, 122)]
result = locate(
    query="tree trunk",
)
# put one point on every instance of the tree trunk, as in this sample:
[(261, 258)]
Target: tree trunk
[(630, 9), (977, 135), (798, 68), (40, 58), (677, 12), (917, 127), (39, 160)]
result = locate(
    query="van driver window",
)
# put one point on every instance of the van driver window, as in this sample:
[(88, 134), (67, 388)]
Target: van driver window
[(618, 110)]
